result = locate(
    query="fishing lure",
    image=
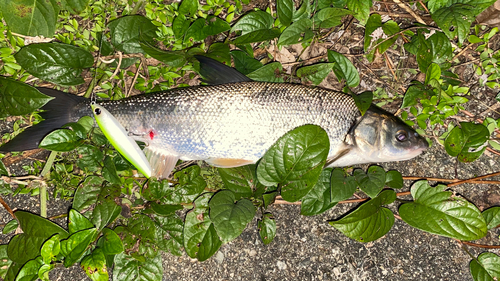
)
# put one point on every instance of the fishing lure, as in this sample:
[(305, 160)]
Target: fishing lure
[(120, 140)]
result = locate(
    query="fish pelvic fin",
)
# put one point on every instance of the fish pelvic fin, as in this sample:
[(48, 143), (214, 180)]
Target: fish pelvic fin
[(228, 162), (58, 111), (215, 73), (162, 162)]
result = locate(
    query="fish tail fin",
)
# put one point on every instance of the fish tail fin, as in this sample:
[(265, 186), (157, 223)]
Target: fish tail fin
[(57, 112)]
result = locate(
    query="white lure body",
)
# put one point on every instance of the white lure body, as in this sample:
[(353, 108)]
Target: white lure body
[(120, 140)]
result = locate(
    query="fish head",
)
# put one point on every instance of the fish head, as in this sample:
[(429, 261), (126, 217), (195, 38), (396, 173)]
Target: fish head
[(379, 136)]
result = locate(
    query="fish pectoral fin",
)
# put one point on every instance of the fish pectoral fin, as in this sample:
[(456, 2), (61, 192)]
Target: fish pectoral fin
[(342, 153), (162, 162), (228, 162)]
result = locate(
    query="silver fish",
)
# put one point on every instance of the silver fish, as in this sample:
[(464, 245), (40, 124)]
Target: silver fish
[(233, 124)]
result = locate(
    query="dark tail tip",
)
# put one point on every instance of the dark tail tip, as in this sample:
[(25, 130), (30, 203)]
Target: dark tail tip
[(59, 111)]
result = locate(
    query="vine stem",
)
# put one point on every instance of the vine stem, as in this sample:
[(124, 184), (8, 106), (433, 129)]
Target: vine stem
[(43, 187)]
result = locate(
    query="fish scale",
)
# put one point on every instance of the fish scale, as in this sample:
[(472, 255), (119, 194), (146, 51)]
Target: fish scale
[(237, 121)]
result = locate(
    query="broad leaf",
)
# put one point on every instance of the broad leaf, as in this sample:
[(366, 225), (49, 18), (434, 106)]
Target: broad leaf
[(267, 228), (94, 265), (455, 20), (75, 246), (244, 63), (268, 73), (437, 49), (18, 98), (253, 21), (295, 161), (298, 32), (29, 271), (257, 36), (492, 217), (191, 184), (372, 182), (75, 6), (110, 242), (230, 217), (128, 32), (315, 73), (200, 238), (5, 262), (77, 222), (55, 62), (105, 212), (61, 140), (319, 199), (285, 9), (361, 8), (50, 249), (486, 267), (330, 17), (3, 172), (169, 234), (239, 180), (128, 268), (31, 17), (394, 179), (370, 221), (437, 211), (86, 194), (363, 101), (188, 7), (165, 210), (342, 187), (214, 26), (170, 58), (10, 226), (344, 69), (36, 230)]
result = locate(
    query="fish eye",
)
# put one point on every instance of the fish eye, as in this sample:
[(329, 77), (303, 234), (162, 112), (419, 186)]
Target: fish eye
[(97, 111), (401, 136)]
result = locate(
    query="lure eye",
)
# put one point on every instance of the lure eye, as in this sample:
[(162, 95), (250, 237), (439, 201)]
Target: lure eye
[(401, 136), (97, 111)]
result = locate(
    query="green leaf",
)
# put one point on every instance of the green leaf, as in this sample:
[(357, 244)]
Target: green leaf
[(454, 142), (244, 63), (363, 101), (188, 7), (105, 212), (165, 210), (86, 194), (374, 22), (5, 262), (10, 226), (75, 6), (191, 184), (89, 157), (240, 180), (214, 26), (390, 28), (477, 136), (29, 271), (330, 17), (492, 217), (50, 249), (94, 265), (413, 93), (318, 200), (361, 8), (109, 171), (341, 187), (75, 246), (316, 72), (285, 9), (55, 62), (128, 32), (252, 21), (26, 246), (78, 222), (169, 234), (268, 73), (295, 161), (486, 267), (298, 32), (394, 179), (229, 217), (171, 58), (433, 72), (61, 140), (257, 36), (3, 172), (200, 238), (437, 49), (267, 228), (455, 20), (179, 26), (18, 98), (128, 268), (344, 69), (370, 221), (220, 52), (111, 243), (31, 17), (437, 211), (12, 271)]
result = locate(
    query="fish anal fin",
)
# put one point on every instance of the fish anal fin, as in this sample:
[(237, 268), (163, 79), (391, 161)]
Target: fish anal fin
[(228, 162), (162, 161)]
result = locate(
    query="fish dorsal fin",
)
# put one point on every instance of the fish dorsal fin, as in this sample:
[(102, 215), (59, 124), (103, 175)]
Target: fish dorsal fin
[(228, 162), (215, 73), (162, 162)]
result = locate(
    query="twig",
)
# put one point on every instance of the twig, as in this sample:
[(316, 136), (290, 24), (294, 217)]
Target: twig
[(476, 178), (6, 206), (120, 58), (410, 11), (43, 187), (480, 245), (134, 80)]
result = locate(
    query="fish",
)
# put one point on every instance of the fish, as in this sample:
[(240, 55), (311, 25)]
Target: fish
[(234, 120)]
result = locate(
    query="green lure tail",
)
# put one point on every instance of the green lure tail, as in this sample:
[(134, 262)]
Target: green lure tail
[(120, 140)]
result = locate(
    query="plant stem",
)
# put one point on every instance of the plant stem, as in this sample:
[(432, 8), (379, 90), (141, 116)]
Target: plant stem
[(43, 187)]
